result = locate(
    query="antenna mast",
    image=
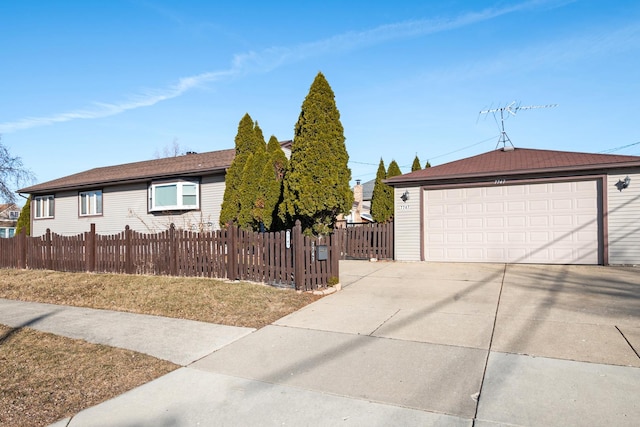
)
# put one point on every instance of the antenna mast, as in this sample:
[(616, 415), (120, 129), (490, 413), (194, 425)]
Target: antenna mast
[(511, 109)]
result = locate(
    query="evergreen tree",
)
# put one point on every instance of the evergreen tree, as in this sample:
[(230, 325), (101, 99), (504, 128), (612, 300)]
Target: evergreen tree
[(316, 185), (24, 220), (427, 165), (245, 146), (416, 164), (382, 198), (394, 169), (251, 179), (265, 209)]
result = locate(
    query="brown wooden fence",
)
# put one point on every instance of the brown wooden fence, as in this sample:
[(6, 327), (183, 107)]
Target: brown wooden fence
[(366, 241), (287, 259)]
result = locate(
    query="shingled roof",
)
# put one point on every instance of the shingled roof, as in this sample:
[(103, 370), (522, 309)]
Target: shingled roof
[(186, 165), (518, 161)]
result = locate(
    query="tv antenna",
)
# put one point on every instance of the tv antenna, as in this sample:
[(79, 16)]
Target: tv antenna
[(510, 109)]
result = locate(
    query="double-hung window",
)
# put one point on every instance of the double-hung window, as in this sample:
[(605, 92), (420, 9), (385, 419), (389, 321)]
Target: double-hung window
[(174, 195), (90, 203), (43, 207)]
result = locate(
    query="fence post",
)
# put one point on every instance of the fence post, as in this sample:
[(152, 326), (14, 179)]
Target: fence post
[(334, 255), (173, 253), (90, 248), (232, 255), (297, 241), (47, 250), (22, 249), (128, 251)]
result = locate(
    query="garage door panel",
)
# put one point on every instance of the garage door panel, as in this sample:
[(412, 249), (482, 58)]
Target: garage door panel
[(494, 207), (472, 223), (539, 221), (495, 222), (516, 207), (563, 220), (517, 237), (517, 221), (539, 205), (535, 223)]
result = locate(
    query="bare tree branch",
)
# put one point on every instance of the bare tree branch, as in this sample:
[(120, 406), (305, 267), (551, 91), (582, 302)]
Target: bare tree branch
[(13, 175)]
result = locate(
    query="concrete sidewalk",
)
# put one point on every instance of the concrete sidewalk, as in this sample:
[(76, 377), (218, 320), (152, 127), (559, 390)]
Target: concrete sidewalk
[(405, 344), (176, 340)]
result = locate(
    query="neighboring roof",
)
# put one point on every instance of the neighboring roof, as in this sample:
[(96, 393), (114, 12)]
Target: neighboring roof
[(286, 144), (186, 165), (367, 189), (8, 206), (518, 161)]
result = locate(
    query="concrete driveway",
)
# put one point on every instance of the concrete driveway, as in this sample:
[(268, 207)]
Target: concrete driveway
[(490, 343), (420, 344)]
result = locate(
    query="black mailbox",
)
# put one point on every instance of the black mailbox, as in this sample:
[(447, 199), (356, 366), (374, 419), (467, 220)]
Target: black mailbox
[(322, 253)]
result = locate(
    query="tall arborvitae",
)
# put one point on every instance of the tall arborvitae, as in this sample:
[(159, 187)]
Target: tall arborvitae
[(394, 169), (24, 220), (416, 164), (316, 185), (249, 187), (382, 197), (270, 187), (427, 165), (245, 146)]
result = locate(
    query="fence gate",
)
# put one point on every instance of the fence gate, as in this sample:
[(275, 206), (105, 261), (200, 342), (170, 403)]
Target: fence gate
[(366, 241)]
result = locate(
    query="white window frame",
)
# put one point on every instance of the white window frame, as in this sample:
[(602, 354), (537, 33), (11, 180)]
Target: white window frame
[(7, 232), (91, 201), (43, 207), (13, 215), (180, 187)]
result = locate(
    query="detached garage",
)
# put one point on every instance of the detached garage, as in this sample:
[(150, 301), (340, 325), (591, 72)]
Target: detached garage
[(521, 206)]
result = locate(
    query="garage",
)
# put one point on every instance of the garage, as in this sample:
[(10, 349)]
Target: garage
[(546, 223), (519, 205)]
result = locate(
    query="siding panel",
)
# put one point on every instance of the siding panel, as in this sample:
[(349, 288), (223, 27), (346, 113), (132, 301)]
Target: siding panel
[(407, 224), (127, 205), (624, 218)]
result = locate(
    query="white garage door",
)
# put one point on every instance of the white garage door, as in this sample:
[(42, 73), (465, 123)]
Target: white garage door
[(553, 223)]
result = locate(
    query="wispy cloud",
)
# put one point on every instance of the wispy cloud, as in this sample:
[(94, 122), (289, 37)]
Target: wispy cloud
[(272, 58), (590, 45)]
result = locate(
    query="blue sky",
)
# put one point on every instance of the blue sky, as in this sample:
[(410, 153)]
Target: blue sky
[(90, 83)]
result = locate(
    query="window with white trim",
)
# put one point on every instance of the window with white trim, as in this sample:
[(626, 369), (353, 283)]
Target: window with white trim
[(90, 203), (7, 232), (14, 214), (43, 207), (174, 196)]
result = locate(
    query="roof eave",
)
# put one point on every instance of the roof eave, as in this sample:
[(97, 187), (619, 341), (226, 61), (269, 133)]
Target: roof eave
[(35, 190), (578, 168)]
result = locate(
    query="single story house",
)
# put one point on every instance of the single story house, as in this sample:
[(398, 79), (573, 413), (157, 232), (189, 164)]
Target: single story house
[(517, 205), (9, 213), (147, 196)]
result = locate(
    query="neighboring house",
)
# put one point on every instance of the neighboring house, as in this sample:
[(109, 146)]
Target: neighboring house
[(9, 214), (361, 210), (521, 206)]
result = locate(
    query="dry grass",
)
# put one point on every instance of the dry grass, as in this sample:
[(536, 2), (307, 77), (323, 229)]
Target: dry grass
[(207, 300), (46, 378)]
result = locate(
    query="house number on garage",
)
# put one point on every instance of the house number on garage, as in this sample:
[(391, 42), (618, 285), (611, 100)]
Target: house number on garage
[(500, 181)]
